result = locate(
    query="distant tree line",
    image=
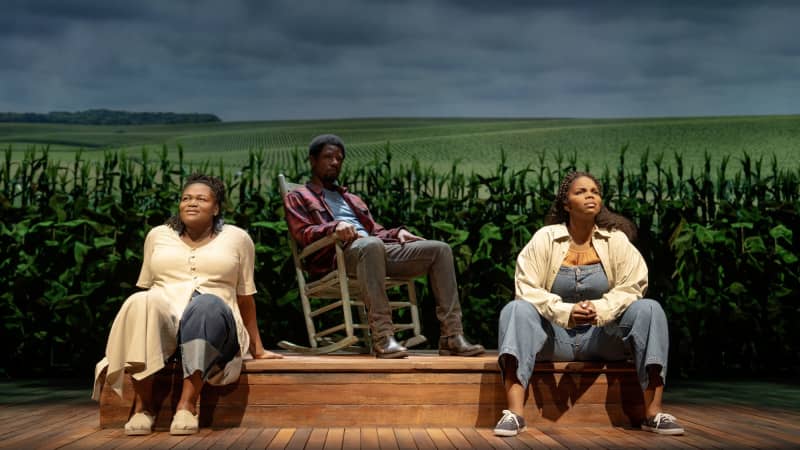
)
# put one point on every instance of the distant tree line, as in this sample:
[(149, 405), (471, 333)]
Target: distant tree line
[(109, 117)]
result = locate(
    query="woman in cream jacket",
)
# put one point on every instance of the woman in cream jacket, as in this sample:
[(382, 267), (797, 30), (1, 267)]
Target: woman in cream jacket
[(579, 287)]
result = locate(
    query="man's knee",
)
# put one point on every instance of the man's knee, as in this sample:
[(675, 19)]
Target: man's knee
[(440, 247), (439, 252), (369, 245)]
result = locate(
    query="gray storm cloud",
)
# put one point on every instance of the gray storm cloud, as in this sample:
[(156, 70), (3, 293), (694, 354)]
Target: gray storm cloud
[(248, 60)]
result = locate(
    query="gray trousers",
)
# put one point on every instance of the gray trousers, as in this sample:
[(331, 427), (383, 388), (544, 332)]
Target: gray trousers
[(528, 337), (370, 260), (207, 336)]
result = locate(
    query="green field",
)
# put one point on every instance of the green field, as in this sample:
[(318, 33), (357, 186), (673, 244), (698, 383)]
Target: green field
[(475, 143)]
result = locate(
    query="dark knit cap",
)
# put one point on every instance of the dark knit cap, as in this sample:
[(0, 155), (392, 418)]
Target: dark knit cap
[(319, 142)]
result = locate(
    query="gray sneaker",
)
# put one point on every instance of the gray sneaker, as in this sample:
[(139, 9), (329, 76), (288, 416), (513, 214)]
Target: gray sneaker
[(663, 423), (510, 424)]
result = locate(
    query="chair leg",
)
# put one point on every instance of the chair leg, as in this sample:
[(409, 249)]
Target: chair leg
[(306, 303), (347, 305)]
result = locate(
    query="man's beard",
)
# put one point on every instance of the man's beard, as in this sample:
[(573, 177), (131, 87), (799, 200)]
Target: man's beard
[(329, 179)]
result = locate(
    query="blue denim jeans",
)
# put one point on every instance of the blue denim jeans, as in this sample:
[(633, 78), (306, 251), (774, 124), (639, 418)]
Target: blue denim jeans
[(207, 336)]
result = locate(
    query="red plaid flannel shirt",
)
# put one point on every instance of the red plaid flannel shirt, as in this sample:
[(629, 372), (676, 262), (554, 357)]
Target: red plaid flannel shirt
[(310, 218)]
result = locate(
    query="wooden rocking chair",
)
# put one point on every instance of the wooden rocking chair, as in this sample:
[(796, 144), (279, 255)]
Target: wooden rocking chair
[(337, 285)]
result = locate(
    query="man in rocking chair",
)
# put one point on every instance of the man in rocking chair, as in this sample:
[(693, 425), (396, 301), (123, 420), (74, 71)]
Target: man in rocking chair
[(372, 252)]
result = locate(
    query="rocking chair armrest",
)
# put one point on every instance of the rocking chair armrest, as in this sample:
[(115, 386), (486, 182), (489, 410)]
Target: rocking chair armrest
[(318, 245)]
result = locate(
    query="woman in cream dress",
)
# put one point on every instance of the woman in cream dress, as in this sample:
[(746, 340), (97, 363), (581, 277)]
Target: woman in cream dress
[(198, 276)]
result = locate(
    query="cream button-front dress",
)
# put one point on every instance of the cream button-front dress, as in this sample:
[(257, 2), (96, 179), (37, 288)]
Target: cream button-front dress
[(144, 333)]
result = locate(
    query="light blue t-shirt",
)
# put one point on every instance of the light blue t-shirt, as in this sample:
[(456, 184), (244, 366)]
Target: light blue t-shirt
[(342, 211)]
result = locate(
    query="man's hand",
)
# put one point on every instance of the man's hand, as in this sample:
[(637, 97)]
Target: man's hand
[(346, 232), (406, 236), (583, 313)]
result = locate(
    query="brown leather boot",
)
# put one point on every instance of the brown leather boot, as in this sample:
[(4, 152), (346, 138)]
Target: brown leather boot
[(388, 347), (457, 345)]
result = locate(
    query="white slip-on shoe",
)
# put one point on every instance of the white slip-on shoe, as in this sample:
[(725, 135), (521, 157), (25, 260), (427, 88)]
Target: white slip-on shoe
[(140, 424), (183, 423)]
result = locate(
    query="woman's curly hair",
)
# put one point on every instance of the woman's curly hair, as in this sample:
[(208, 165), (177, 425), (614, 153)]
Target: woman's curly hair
[(217, 188), (604, 219)]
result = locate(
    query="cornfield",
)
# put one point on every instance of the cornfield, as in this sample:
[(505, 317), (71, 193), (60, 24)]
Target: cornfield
[(720, 243)]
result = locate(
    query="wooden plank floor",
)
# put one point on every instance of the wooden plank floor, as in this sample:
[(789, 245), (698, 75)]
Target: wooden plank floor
[(73, 423)]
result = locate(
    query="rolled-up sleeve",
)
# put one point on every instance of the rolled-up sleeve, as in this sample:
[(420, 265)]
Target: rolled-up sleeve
[(531, 276), (630, 280)]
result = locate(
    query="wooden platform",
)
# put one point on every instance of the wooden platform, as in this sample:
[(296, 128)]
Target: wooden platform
[(421, 390)]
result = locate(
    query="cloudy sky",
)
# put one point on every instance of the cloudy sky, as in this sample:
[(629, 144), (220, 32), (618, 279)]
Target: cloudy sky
[(298, 59)]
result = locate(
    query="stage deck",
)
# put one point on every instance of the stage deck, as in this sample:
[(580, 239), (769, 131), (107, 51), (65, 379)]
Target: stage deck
[(50, 414)]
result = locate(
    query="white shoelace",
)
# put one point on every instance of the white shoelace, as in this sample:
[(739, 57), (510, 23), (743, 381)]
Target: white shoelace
[(664, 417), (509, 417)]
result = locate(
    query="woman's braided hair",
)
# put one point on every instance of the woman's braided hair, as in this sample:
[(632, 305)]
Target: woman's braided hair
[(604, 219), (217, 188)]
